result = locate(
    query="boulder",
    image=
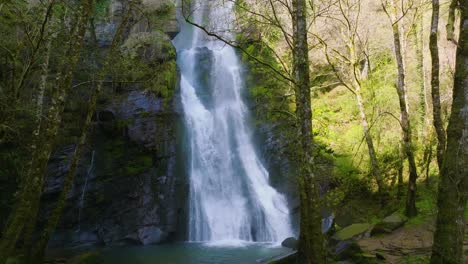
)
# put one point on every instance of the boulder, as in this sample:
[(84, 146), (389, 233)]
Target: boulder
[(346, 250), (349, 251), (328, 224), (354, 231), (151, 235), (290, 242), (389, 224)]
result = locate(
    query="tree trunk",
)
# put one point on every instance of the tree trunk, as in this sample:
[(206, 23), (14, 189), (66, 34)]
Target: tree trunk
[(28, 204), (425, 127), (29, 229), (311, 248), (405, 123), (437, 114), (400, 172), (375, 170), (453, 187), (427, 161), (451, 20), (39, 249), (423, 103)]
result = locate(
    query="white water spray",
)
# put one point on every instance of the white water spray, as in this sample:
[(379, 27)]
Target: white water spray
[(230, 195)]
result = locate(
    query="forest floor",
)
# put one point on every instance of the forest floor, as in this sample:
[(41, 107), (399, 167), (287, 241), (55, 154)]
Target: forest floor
[(409, 244), (412, 243)]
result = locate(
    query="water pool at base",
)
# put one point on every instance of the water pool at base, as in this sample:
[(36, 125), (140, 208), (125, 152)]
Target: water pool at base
[(192, 253)]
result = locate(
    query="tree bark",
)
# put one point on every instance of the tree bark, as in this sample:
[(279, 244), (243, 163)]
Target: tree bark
[(29, 229), (410, 209), (418, 37), (375, 169), (453, 186), (311, 248), (437, 114), (28, 201), (451, 20), (400, 172)]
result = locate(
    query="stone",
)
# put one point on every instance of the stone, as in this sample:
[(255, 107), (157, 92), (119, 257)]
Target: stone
[(150, 235), (290, 242), (346, 250), (152, 48), (328, 224), (389, 224), (354, 231)]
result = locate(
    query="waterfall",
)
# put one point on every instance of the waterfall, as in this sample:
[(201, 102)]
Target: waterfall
[(230, 195), (83, 192)]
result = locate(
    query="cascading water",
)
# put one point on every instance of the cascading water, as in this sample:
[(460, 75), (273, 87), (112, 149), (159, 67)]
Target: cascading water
[(230, 195), (83, 192)]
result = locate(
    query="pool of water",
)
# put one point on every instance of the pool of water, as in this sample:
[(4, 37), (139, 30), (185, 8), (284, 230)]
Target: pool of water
[(193, 253)]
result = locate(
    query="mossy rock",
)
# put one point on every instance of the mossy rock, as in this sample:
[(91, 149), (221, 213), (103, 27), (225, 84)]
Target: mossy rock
[(290, 242), (346, 250), (389, 224), (353, 231), (151, 47)]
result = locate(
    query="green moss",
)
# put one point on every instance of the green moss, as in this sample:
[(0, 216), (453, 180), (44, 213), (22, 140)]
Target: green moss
[(352, 231), (101, 8), (137, 165), (149, 59), (426, 204)]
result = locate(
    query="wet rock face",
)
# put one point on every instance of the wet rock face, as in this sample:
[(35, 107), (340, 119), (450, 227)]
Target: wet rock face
[(128, 188), (129, 192)]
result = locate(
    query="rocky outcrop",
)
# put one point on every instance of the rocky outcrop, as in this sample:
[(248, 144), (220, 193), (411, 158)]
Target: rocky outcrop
[(354, 232), (129, 187), (290, 242), (389, 224)]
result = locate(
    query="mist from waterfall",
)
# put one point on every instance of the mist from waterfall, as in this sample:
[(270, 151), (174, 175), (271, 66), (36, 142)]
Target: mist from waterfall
[(230, 195)]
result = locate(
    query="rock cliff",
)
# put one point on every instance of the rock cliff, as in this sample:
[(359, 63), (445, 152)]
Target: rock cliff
[(129, 187)]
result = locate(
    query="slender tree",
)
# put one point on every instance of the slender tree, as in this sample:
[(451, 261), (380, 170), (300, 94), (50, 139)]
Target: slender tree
[(391, 8), (453, 186), (29, 196), (435, 90), (346, 66)]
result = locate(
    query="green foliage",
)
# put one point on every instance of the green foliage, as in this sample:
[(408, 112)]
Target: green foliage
[(149, 59), (138, 165), (427, 205), (101, 8)]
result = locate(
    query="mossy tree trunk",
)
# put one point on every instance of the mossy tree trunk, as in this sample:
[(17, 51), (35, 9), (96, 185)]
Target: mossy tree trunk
[(27, 206), (395, 21), (435, 90), (311, 247), (453, 186), (375, 168)]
